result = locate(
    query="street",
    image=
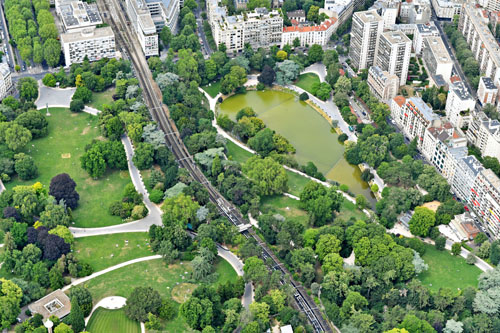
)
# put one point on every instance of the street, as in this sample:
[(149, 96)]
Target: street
[(205, 48)]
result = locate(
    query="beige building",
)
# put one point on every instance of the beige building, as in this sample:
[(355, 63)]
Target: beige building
[(5, 80), (484, 133), (459, 105), (382, 84), (366, 28), (436, 58), (144, 26), (393, 54), (308, 35)]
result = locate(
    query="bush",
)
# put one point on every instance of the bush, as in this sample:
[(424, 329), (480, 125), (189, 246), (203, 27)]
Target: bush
[(344, 188), (343, 137), (138, 212), (49, 80), (304, 96), (440, 242), (76, 105), (261, 86), (471, 259), (156, 196)]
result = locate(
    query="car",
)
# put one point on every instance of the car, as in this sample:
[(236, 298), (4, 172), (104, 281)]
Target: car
[(364, 113)]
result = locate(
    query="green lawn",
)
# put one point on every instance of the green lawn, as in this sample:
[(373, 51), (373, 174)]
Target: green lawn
[(60, 151), (236, 153), (153, 274), (213, 89), (106, 321), (108, 250), (446, 270), (285, 206), (296, 182), (306, 81), (101, 98), (348, 210)]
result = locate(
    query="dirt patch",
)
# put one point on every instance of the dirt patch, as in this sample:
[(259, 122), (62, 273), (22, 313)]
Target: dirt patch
[(68, 155), (181, 292), (101, 138), (433, 205), (86, 130), (74, 114)]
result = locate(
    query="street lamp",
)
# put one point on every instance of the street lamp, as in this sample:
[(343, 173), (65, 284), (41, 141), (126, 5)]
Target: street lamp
[(48, 325)]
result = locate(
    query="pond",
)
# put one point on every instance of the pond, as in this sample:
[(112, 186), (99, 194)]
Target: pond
[(306, 130)]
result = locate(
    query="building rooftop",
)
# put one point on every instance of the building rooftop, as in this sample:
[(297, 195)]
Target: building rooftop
[(427, 28), (86, 34), (424, 109), (490, 176), (381, 75), (488, 83), (400, 100), (297, 13), (4, 70), (396, 37), (473, 164), (368, 16), (77, 14), (461, 91), (436, 46), (322, 27), (56, 303)]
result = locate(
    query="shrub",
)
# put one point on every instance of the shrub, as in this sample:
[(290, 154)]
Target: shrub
[(76, 105), (344, 188), (304, 96), (138, 212), (440, 242), (471, 259), (261, 86), (343, 137), (156, 196)]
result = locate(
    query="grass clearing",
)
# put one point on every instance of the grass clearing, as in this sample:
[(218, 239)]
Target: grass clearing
[(285, 206), (348, 210), (101, 98), (108, 250), (296, 183), (181, 292), (69, 133), (306, 81), (105, 320), (236, 153), (156, 275), (447, 271), (213, 89)]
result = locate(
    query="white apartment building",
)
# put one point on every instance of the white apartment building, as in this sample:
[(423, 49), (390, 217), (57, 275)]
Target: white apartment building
[(423, 30), (93, 43), (413, 116), (393, 54), (164, 13), (5, 80), (487, 92), (382, 84), (442, 145), (297, 15), (447, 8), (144, 26), (388, 10), (436, 58), (484, 133), (407, 29), (493, 5), (483, 45), (308, 35), (459, 105), (342, 9), (417, 11), (366, 27), (259, 28), (77, 15)]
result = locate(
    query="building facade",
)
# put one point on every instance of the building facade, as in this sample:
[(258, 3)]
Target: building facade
[(422, 31), (393, 54), (144, 26), (341, 9), (446, 9), (366, 27), (164, 13), (5, 80), (487, 92), (93, 43), (484, 133), (308, 35), (459, 105), (382, 84), (436, 58)]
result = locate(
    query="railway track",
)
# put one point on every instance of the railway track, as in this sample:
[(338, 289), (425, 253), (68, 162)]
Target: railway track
[(160, 113)]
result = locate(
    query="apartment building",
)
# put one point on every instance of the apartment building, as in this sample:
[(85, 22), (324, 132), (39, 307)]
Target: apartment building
[(366, 27), (164, 13), (423, 30), (474, 26), (93, 43), (484, 133), (493, 5), (446, 9), (487, 92), (442, 145), (298, 16), (459, 105), (5, 80), (259, 28), (342, 9), (417, 11), (413, 117), (382, 84), (144, 26), (436, 58), (240, 4), (388, 10), (309, 34), (393, 54)]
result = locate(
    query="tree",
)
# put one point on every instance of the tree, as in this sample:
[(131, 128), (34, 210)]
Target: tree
[(252, 4), (63, 328), (315, 52), (361, 201), (52, 52), (332, 262), (197, 312), (19, 233), (28, 89), (76, 105), (166, 36), (453, 326), (286, 72), (83, 297), (419, 263), (10, 299), (82, 93), (143, 155), (255, 270), (179, 210), (56, 278), (281, 55), (456, 248), (63, 187), (269, 175), (313, 15), (415, 325), (233, 80), (262, 142), (142, 300), (352, 303), (327, 244), (14, 135), (201, 268), (76, 317), (25, 166), (343, 84), (480, 238), (471, 258), (35, 122), (440, 243), (422, 220), (167, 310), (267, 76)]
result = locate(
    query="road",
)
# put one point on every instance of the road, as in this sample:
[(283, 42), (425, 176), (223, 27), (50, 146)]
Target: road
[(5, 30), (207, 51)]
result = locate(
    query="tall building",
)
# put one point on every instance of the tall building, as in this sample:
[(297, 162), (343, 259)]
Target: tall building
[(422, 31), (484, 133), (388, 10), (77, 15), (382, 84), (483, 45), (459, 105), (308, 35), (164, 13), (393, 54), (342, 9), (436, 57), (5, 80), (493, 5), (487, 92), (413, 116), (447, 8), (366, 27), (259, 28), (144, 26)]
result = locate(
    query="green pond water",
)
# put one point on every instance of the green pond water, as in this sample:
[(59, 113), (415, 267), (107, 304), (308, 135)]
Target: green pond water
[(306, 130)]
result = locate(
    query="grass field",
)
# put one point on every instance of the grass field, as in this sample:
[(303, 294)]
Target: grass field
[(306, 81), (446, 270), (100, 98), (285, 206), (60, 152), (213, 89), (296, 183), (105, 321), (108, 250), (153, 274), (348, 210), (236, 153)]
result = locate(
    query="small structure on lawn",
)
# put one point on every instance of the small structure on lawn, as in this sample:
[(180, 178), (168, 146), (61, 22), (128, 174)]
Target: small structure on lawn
[(56, 303)]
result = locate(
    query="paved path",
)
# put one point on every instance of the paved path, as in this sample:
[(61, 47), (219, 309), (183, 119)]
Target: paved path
[(237, 265), (54, 97), (142, 225)]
